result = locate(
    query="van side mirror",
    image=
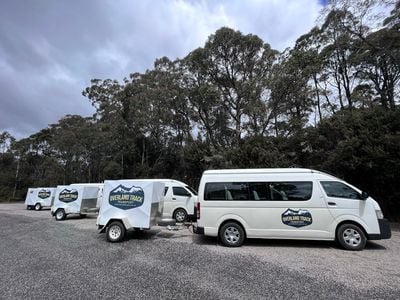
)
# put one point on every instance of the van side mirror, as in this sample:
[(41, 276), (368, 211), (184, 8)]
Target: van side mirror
[(364, 195)]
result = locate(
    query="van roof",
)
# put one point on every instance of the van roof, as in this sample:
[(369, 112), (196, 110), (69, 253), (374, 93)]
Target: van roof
[(260, 171)]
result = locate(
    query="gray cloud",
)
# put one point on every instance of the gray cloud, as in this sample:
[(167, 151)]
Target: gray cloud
[(49, 50)]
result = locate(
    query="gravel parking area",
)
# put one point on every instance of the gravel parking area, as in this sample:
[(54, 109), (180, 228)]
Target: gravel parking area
[(42, 259)]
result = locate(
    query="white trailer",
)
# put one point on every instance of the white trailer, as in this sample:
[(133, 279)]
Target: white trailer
[(130, 204), (78, 198), (38, 198)]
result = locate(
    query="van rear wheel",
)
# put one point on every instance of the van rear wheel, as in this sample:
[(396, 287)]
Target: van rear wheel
[(38, 206), (231, 234), (351, 237), (115, 232)]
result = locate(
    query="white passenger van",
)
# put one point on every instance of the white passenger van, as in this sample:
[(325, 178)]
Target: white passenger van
[(38, 198), (286, 204)]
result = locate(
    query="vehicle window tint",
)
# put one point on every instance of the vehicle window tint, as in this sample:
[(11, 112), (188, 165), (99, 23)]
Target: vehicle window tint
[(215, 191), (165, 190), (194, 192), (238, 191), (290, 191), (258, 191), (339, 190), (180, 191), (226, 191)]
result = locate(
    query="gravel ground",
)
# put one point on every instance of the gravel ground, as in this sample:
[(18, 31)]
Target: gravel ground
[(42, 258)]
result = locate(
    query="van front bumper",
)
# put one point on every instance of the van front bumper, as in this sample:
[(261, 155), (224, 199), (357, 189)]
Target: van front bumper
[(384, 228), (198, 230)]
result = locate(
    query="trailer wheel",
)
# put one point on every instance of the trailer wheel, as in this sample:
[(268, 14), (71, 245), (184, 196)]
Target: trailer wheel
[(60, 214), (351, 237), (38, 206), (115, 232), (180, 215), (231, 234)]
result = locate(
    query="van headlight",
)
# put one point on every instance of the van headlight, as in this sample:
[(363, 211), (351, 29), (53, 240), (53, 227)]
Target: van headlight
[(379, 214)]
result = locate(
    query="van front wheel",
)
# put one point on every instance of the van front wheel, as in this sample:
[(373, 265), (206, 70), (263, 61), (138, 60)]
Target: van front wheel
[(180, 215), (115, 232), (38, 207), (351, 237), (231, 234)]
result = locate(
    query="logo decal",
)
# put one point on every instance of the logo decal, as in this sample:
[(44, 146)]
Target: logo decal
[(297, 218), (43, 194), (126, 197), (67, 195)]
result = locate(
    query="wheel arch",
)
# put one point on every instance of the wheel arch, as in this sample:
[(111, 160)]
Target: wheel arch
[(233, 221), (351, 222), (179, 207), (103, 229)]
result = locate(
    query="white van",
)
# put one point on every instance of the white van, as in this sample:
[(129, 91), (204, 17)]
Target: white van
[(286, 204), (179, 200), (77, 198), (38, 198)]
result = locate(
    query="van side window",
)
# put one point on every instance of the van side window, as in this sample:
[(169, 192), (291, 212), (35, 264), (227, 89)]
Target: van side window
[(180, 191), (339, 190), (165, 190), (291, 191), (258, 191)]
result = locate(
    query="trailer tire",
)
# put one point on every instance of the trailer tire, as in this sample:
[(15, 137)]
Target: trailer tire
[(60, 214), (115, 232), (180, 215), (351, 237), (38, 206)]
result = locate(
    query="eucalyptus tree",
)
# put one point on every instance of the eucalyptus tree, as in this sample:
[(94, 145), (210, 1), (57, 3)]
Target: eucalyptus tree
[(235, 70)]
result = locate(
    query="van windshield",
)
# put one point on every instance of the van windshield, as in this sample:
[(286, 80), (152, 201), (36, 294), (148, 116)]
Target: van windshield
[(192, 190)]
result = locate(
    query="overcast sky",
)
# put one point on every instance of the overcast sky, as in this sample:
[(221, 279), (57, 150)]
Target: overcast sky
[(50, 50)]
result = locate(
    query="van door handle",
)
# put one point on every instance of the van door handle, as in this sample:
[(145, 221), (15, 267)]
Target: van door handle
[(173, 198), (332, 203)]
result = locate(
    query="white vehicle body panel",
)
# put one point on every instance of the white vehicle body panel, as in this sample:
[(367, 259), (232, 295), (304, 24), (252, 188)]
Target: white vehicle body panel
[(42, 195), (266, 218), (137, 203), (172, 201), (77, 198)]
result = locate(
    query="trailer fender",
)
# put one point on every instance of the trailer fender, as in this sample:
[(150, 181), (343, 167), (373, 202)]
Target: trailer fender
[(124, 221)]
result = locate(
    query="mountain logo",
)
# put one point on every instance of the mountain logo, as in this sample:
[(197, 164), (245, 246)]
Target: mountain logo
[(67, 195), (297, 218), (126, 197), (43, 194)]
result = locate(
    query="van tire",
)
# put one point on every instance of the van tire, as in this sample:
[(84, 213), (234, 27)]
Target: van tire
[(180, 215), (38, 206), (115, 232), (351, 237), (60, 214), (231, 234)]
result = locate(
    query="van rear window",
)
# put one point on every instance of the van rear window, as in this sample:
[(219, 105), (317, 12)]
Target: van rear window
[(258, 191)]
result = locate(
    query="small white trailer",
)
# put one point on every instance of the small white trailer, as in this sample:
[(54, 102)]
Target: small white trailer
[(77, 198), (38, 198), (129, 204)]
